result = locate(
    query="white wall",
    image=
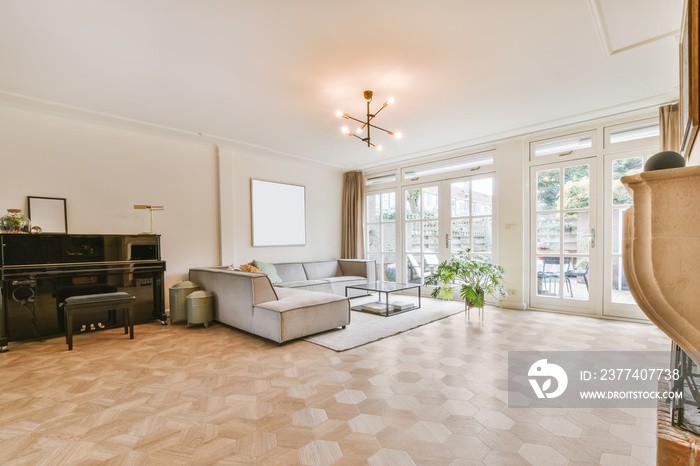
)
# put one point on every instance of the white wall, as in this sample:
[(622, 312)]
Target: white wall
[(509, 188), (323, 206), (103, 170)]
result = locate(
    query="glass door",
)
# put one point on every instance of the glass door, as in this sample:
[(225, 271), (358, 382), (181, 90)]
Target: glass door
[(380, 235), (422, 237), (617, 299), (470, 216), (443, 219), (563, 236)]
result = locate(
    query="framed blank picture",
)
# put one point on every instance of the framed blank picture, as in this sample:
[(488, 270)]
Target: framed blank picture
[(278, 213), (48, 213)]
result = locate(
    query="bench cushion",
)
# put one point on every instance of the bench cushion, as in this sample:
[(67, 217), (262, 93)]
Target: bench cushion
[(118, 298)]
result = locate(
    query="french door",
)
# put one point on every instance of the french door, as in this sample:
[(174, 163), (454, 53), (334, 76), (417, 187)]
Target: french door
[(563, 266), (444, 218), (617, 299)]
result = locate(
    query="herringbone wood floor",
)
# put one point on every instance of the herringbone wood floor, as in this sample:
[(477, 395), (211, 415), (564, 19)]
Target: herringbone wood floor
[(435, 395)]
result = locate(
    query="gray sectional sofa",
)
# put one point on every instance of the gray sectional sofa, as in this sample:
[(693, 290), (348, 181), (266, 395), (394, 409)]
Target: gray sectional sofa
[(326, 276), (310, 299)]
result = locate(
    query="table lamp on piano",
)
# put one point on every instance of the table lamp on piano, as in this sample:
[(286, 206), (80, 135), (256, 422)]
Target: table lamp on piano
[(150, 208)]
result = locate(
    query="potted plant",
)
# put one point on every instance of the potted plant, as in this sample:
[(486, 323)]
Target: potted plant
[(475, 276)]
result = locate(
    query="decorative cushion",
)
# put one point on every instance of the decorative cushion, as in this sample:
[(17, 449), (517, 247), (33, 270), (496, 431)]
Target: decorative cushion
[(250, 268), (269, 270)]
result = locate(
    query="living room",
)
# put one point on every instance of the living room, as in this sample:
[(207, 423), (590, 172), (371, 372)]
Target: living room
[(98, 109)]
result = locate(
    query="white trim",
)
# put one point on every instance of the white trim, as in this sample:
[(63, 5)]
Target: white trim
[(604, 36), (64, 110)]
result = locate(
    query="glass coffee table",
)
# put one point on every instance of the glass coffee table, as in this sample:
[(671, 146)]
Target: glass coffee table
[(385, 308)]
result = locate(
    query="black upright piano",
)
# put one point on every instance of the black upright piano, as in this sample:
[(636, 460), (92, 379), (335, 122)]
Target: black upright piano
[(39, 271)]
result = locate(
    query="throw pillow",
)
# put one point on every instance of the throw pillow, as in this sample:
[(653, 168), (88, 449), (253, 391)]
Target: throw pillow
[(269, 270), (250, 268)]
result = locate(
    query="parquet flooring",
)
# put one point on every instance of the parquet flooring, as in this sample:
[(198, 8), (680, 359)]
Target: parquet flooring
[(433, 396)]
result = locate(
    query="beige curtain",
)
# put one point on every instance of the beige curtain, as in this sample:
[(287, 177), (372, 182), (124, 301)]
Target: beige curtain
[(352, 238), (669, 123)]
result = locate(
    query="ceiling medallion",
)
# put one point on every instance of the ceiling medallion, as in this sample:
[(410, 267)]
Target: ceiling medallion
[(366, 123)]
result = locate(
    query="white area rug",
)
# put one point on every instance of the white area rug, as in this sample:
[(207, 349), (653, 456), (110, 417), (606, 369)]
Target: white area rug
[(365, 328)]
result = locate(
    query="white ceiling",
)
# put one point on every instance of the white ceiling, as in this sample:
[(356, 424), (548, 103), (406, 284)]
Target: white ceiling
[(270, 74)]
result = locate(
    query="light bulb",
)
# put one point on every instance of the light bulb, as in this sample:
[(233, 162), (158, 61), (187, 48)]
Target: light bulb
[(339, 113), (360, 129), (378, 147), (345, 130), (398, 135), (390, 101)]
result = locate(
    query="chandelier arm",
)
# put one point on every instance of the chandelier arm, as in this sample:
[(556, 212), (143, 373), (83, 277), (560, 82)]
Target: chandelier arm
[(355, 119), (377, 112), (379, 127)]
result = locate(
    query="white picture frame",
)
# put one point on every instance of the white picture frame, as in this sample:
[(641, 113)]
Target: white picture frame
[(278, 213)]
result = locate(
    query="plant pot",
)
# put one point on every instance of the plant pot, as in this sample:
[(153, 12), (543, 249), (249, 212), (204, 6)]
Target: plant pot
[(470, 304)]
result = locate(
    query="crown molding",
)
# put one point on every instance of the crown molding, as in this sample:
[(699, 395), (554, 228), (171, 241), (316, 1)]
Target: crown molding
[(604, 36), (12, 99)]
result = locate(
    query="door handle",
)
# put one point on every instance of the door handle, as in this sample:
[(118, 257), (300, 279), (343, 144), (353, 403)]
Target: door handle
[(591, 236), (447, 241)]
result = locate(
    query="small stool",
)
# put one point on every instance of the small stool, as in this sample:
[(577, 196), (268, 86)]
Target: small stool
[(99, 302)]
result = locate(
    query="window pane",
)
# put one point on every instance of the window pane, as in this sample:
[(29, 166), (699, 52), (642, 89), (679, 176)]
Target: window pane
[(576, 278), (380, 179), (388, 207), (430, 236), (620, 168), (548, 232), (620, 291), (389, 237), (431, 262), (460, 199), (449, 166), (412, 204), (563, 145), (482, 236), (373, 237), (482, 197), (414, 271), (430, 202), (413, 236), (548, 190), (460, 235), (634, 133), (616, 229), (373, 208), (576, 182), (575, 226), (377, 263), (389, 274), (548, 272)]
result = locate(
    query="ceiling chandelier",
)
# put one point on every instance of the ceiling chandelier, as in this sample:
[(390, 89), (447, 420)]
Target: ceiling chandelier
[(366, 123)]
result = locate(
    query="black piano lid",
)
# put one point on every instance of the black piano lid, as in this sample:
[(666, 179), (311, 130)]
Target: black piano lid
[(60, 248)]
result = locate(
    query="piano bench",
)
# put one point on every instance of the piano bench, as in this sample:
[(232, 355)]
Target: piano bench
[(99, 302)]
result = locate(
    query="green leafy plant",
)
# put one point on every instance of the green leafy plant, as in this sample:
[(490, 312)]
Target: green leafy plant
[(475, 277)]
